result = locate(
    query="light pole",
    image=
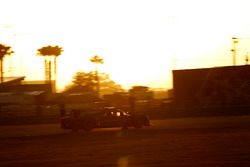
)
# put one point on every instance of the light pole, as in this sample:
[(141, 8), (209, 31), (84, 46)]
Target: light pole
[(235, 41)]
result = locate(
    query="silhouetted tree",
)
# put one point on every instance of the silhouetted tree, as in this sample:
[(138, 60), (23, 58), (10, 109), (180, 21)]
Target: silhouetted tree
[(97, 60), (49, 52), (88, 80), (4, 51), (84, 79)]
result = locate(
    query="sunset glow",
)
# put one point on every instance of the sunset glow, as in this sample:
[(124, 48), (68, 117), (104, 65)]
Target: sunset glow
[(141, 41)]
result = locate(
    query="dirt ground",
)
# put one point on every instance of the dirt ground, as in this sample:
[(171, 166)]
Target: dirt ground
[(206, 142)]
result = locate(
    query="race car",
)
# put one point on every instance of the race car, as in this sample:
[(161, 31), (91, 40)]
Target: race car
[(106, 117)]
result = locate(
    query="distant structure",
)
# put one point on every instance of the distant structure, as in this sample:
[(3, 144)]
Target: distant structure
[(14, 91), (17, 84), (141, 93), (219, 86)]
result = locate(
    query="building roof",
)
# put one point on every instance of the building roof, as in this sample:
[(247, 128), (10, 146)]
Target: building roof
[(11, 80)]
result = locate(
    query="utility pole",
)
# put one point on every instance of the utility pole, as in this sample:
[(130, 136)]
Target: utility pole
[(246, 58), (97, 60), (235, 41)]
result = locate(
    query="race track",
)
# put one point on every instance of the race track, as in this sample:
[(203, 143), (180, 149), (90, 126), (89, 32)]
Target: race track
[(212, 141)]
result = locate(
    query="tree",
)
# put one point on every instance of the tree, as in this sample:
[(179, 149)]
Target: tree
[(50, 53), (4, 51), (97, 60), (88, 81), (84, 79)]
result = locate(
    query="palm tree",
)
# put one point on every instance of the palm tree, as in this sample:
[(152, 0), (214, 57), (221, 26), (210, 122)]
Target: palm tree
[(49, 52), (4, 50), (97, 60)]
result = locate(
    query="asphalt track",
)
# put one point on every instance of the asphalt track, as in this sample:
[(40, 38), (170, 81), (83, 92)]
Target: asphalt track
[(212, 141), (225, 122)]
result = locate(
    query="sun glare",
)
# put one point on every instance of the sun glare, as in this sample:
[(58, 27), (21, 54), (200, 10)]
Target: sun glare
[(140, 41)]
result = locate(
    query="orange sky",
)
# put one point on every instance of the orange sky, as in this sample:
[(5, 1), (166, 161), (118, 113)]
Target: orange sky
[(141, 41)]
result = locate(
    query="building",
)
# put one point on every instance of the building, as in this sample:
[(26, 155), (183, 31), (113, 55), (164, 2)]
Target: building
[(17, 84), (16, 91), (217, 86)]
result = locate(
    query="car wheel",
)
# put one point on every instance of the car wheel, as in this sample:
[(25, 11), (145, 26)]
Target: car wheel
[(89, 125), (137, 125)]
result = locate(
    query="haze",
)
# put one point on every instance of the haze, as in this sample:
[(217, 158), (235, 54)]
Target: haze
[(141, 41)]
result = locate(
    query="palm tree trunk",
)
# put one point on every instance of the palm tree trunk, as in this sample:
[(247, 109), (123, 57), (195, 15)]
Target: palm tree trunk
[(1, 69), (49, 72), (47, 64), (45, 69), (98, 83), (55, 74)]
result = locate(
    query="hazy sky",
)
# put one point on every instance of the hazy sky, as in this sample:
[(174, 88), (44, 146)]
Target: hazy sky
[(141, 41)]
